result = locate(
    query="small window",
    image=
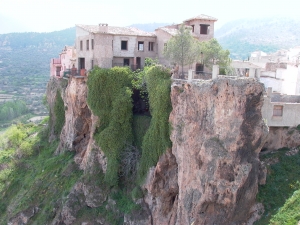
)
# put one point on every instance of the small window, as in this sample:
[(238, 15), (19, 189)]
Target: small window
[(165, 46), (278, 110), (151, 46), (87, 44), (92, 63), (123, 45), (193, 28), (81, 45), (141, 46), (92, 44), (204, 29)]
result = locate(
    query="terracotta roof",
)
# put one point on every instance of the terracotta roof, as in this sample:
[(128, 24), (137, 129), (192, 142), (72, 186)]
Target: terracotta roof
[(116, 30), (202, 17)]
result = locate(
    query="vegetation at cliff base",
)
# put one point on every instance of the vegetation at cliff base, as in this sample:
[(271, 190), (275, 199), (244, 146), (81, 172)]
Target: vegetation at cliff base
[(31, 175), (280, 195)]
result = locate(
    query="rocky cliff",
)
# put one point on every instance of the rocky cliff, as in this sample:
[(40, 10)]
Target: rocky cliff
[(211, 173)]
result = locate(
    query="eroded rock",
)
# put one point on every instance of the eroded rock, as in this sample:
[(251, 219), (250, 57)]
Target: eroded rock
[(217, 135)]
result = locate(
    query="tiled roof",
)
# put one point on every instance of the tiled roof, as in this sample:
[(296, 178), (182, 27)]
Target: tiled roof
[(202, 17), (173, 31), (117, 30)]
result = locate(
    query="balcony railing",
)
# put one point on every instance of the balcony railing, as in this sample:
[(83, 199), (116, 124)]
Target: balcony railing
[(56, 61)]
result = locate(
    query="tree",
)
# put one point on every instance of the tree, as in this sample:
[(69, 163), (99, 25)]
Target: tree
[(183, 48), (213, 53)]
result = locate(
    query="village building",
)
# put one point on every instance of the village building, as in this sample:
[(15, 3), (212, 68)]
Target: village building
[(108, 46), (280, 70), (65, 62), (281, 110)]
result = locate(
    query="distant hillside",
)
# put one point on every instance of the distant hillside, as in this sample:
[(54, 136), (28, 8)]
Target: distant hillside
[(29, 53), (241, 37)]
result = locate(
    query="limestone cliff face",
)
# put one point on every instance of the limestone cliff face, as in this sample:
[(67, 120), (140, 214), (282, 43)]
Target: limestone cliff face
[(211, 175), (80, 123)]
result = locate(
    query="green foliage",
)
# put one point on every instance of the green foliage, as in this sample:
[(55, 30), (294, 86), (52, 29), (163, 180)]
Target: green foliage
[(183, 48), (137, 193), (109, 96), (157, 138), (140, 127), (213, 53), (124, 202), (282, 180), (40, 179), (289, 214), (12, 109), (59, 112)]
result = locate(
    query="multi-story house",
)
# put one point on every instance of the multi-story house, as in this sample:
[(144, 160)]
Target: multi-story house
[(107, 46)]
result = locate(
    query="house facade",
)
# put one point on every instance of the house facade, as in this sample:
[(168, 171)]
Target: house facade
[(107, 46), (66, 61), (281, 110)]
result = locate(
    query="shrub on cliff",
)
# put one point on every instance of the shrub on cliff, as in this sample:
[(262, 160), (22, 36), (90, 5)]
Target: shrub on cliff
[(157, 138), (59, 112), (109, 97)]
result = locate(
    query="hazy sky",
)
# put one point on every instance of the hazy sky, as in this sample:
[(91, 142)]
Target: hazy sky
[(51, 15)]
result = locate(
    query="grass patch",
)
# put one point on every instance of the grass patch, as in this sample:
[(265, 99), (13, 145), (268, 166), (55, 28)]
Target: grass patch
[(39, 179), (282, 181)]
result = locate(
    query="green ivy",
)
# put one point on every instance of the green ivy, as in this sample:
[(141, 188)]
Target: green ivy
[(59, 112), (157, 138), (109, 97)]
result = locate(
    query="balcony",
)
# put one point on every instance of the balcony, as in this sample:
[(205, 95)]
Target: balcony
[(56, 61)]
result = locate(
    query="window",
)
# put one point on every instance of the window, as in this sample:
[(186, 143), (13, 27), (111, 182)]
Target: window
[(165, 46), (92, 63), (151, 46), (140, 45), (92, 43), (123, 45), (81, 45), (87, 44), (278, 110), (193, 28), (126, 62), (204, 29)]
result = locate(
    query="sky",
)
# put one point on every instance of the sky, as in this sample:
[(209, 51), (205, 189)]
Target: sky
[(52, 15)]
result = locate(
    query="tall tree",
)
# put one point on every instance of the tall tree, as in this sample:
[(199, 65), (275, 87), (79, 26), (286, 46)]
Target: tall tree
[(213, 53), (183, 48)]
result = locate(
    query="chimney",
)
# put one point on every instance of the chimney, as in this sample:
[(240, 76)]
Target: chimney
[(103, 27)]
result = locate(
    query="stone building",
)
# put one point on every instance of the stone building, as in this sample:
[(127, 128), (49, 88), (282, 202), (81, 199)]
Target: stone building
[(279, 71), (281, 110), (108, 46)]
